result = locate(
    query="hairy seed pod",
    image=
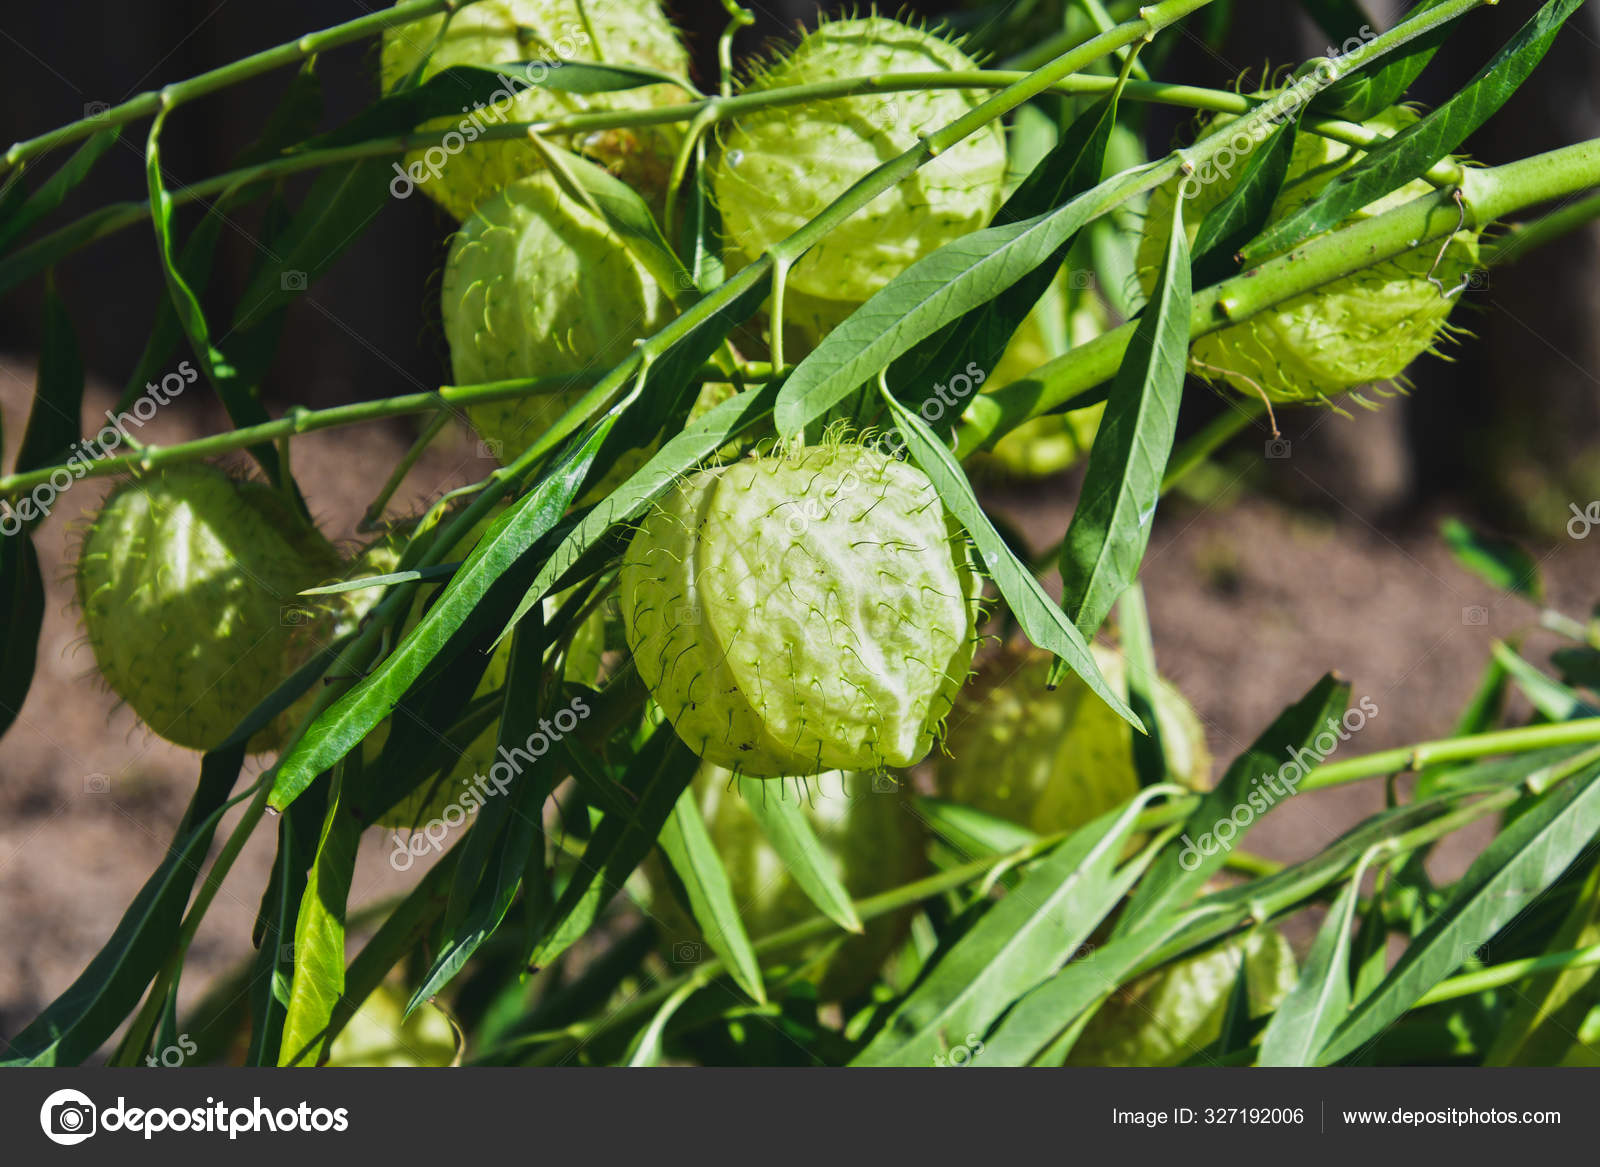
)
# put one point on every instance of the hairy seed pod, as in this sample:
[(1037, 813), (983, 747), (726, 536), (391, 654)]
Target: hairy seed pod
[(1053, 760), (462, 172), (188, 583), (1166, 1017), (778, 168), (800, 613), (537, 286), (1365, 327), (873, 840)]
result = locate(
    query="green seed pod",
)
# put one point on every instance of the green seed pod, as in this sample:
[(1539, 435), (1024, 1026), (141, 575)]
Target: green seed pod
[(462, 172), (1053, 760), (778, 168), (538, 286), (875, 843), (188, 583), (794, 614), (1166, 1017), (1365, 327)]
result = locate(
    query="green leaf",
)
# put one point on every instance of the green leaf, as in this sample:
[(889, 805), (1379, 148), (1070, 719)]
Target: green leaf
[(659, 775), (1111, 526), (938, 289), (319, 956), (348, 721), (54, 423), (1016, 944), (1074, 165), (1184, 868), (1542, 1025), (1527, 856), (1239, 217), (1393, 163), (1374, 88), (1499, 562), (43, 253), (299, 832), (342, 203), (972, 832), (1319, 999), (1139, 666), (1549, 696), (507, 836), (1042, 622), (689, 849), (22, 603), (79, 1021), (54, 190), (787, 829)]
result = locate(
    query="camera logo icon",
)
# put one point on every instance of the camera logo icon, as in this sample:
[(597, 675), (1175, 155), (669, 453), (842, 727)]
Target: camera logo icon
[(97, 783), (292, 281), (96, 110), (1278, 448), (885, 784), (686, 952), (1475, 616), (68, 1117)]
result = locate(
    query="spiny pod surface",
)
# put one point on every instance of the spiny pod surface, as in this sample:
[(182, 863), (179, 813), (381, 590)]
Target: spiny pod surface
[(188, 583), (802, 612), (537, 286), (872, 840), (779, 167), (462, 171), (1363, 328), (1053, 760)]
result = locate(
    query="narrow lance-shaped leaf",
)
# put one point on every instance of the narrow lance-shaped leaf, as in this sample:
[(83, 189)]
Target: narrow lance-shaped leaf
[(350, 719), (1239, 217), (661, 772), (1016, 944), (1254, 783), (688, 846), (54, 422), (319, 955), (1042, 622), (964, 274), (1320, 997), (1527, 856), (1074, 165), (54, 190), (786, 828), (1395, 162), (1374, 88), (1106, 540)]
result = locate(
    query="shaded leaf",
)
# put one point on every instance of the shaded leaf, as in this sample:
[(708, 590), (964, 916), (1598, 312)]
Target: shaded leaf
[(54, 190), (1240, 216), (789, 832), (1499, 562), (688, 847)]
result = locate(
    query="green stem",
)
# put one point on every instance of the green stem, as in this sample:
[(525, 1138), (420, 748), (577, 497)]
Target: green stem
[(1240, 413), (1486, 195), (375, 509), (1510, 972), (281, 56), (1525, 236)]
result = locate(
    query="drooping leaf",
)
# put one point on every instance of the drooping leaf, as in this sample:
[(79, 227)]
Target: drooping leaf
[(22, 604), (1319, 999), (1199, 852), (1398, 160), (1240, 216), (1374, 88), (788, 831), (1041, 620), (692, 853), (659, 775), (54, 190), (1027, 936), (934, 291), (1523, 860), (54, 422), (1111, 525)]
